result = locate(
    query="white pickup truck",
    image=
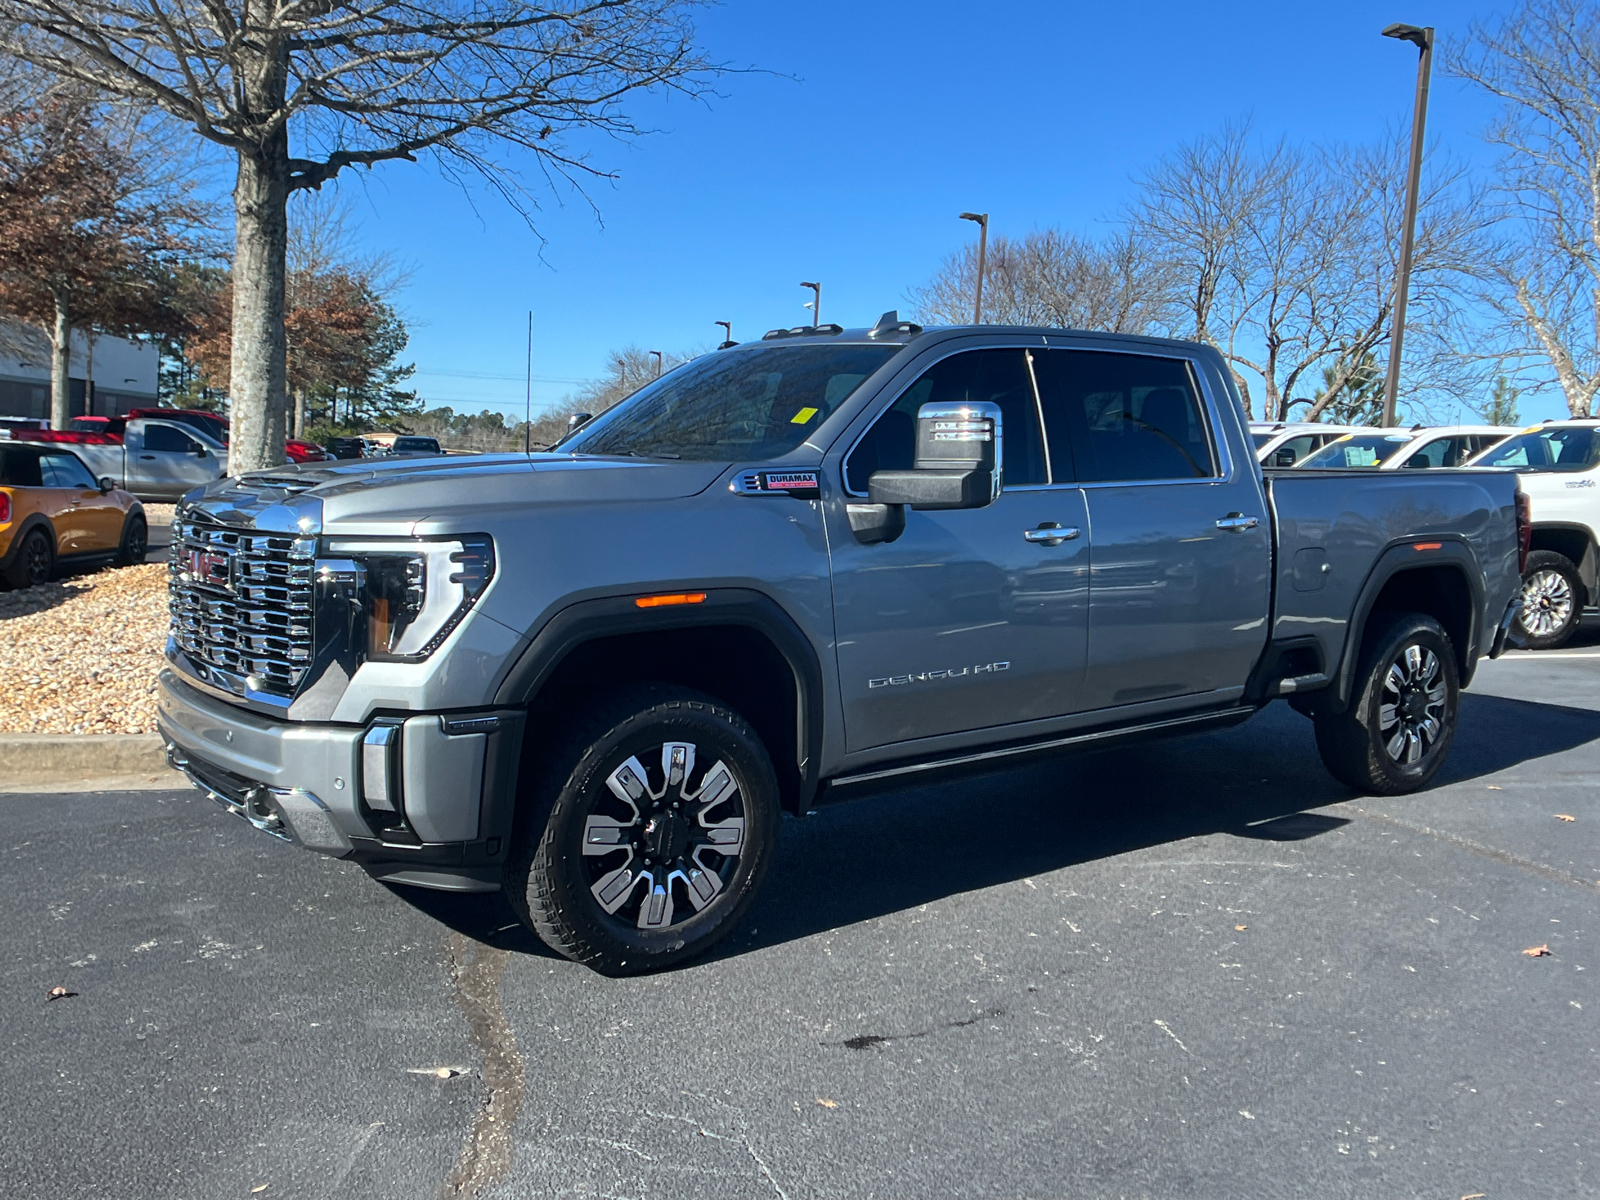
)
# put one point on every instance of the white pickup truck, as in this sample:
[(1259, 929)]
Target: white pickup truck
[(1558, 477), (155, 460)]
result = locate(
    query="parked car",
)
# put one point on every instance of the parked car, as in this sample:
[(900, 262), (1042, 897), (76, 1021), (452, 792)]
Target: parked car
[(213, 425), (822, 563), (155, 460), (1558, 475), (1394, 449), (1285, 444), (346, 447), (54, 512), (413, 445)]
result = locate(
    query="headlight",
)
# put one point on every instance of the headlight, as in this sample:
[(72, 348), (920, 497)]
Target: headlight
[(412, 592)]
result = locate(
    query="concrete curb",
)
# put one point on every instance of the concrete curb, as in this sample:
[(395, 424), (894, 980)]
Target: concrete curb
[(63, 757)]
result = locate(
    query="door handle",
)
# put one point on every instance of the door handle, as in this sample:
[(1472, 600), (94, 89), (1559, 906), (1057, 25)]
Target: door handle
[(1050, 534), (1236, 522), (148, 457)]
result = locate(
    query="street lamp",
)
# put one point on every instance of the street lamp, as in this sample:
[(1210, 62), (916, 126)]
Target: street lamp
[(656, 354), (727, 334), (1422, 39), (983, 245), (816, 305)]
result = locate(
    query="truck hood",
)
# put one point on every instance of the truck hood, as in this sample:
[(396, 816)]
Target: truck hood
[(351, 493)]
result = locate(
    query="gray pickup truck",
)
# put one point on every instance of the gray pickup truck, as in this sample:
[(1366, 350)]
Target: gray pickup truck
[(794, 570)]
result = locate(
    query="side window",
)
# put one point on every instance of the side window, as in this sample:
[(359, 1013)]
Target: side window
[(20, 468), (65, 471), (1293, 450), (166, 438), (998, 376), (1126, 416)]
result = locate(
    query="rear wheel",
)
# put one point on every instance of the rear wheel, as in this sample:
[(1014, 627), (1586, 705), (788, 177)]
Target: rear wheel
[(135, 542), (35, 561), (1395, 734), (1551, 603), (648, 832)]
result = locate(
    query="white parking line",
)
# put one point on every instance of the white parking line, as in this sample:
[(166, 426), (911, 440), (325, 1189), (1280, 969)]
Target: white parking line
[(1538, 655)]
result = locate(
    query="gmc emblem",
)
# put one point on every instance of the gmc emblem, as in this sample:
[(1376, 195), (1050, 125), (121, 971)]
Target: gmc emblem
[(207, 566)]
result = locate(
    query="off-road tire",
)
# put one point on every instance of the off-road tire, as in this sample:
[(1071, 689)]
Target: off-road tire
[(35, 562), (548, 877), (1355, 745), (135, 541), (1536, 578)]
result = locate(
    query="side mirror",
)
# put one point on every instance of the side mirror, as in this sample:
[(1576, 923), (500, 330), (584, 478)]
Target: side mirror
[(577, 419), (201, 452), (958, 463), (106, 484)]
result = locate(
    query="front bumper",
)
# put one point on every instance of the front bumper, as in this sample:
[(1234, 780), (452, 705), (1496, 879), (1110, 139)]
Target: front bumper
[(453, 783)]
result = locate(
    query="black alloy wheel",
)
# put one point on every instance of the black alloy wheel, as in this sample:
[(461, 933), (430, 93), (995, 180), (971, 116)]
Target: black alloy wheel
[(1402, 716), (135, 542), (35, 561), (646, 838)]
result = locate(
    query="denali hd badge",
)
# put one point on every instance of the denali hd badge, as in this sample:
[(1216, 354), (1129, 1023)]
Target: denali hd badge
[(937, 676), (803, 484)]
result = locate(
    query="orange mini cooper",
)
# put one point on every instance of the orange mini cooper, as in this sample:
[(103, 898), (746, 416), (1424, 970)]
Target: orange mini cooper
[(52, 511)]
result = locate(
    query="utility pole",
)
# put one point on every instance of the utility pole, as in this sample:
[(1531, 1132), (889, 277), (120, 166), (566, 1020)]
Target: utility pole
[(983, 246), (656, 354), (1423, 40), (816, 306)]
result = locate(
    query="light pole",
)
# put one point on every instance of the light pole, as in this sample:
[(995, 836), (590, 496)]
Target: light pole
[(656, 354), (727, 333), (983, 246), (816, 307), (1422, 39)]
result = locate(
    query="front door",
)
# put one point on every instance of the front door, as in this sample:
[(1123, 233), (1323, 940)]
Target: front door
[(90, 520), (1179, 592), (963, 622), (163, 460)]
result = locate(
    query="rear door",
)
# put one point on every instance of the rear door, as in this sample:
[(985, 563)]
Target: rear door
[(963, 622), (1179, 591)]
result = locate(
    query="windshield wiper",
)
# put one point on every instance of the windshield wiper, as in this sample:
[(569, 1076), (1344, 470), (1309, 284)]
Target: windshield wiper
[(642, 454)]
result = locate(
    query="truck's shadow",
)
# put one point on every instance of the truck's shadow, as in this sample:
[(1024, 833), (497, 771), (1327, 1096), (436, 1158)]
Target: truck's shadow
[(851, 862)]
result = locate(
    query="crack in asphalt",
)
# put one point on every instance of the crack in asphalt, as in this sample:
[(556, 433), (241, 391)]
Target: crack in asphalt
[(485, 1158), (867, 1040), (1542, 870)]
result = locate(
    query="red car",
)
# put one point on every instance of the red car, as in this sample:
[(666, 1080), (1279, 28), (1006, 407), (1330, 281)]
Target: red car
[(208, 423)]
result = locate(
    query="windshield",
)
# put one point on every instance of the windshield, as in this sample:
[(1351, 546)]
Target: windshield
[(1568, 448), (1363, 450), (1260, 439), (725, 406)]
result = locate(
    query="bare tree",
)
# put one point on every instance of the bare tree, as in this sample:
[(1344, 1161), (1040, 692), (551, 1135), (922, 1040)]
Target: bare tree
[(1285, 260), (1051, 277), (300, 90), (1542, 280)]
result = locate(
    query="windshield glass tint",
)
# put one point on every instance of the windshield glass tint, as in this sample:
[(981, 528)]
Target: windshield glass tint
[(730, 405), (1261, 439), (1367, 450), (1565, 449)]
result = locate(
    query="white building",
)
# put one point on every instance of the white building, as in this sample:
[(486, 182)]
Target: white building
[(119, 374)]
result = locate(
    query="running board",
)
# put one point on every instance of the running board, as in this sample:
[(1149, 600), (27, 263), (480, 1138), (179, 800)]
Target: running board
[(1153, 729)]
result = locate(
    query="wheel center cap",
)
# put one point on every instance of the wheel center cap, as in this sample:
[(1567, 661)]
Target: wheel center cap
[(666, 835), (1414, 705)]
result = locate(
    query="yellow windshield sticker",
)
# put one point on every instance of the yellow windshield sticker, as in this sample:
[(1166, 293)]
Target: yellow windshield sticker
[(804, 415)]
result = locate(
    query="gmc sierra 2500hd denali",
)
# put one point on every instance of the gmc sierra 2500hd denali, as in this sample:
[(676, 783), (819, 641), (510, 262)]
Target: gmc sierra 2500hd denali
[(827, 562)]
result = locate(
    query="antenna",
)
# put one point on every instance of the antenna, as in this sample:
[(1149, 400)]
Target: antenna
[(527, 410)]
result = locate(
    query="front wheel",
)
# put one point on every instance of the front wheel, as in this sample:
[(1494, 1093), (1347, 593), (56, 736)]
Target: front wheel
[(647, 835), (1550, 600), (1395, 734)]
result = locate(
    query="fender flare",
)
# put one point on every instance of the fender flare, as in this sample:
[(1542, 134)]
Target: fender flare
[(1454, 553), (590, 620), (32, 521)]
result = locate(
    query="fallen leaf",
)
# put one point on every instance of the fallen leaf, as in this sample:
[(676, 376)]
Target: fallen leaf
[(1564, 817), (1241, 928), (1538, 951), (437, 1072), (827, 1103), (1247, 1115), (1473, 1196), (1495, 788), (58, 993), (254, 1190)]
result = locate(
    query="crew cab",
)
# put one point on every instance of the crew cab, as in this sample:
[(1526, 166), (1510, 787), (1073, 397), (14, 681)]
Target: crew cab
[(803, 569), (1558, 473), (156, 460)]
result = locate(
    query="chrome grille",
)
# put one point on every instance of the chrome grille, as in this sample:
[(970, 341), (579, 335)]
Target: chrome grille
[(241, 603)]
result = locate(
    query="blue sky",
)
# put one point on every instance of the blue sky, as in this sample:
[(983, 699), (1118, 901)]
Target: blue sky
[(848, 165)]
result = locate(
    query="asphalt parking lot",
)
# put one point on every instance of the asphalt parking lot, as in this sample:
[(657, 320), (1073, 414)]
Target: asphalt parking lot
[(1198, 969)]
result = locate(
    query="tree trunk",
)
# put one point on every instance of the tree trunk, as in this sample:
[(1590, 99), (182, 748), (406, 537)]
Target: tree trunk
[(60, 365), (259, 364), (299, 412)]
